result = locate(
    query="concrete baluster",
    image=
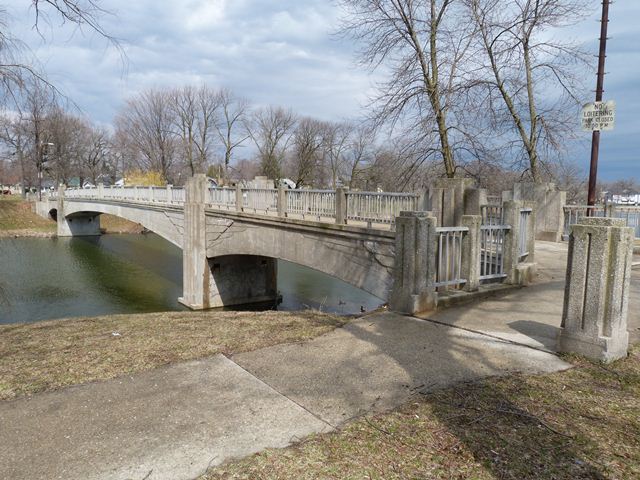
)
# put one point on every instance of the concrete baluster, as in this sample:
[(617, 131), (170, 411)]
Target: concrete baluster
[(169, 193), (151, 194)]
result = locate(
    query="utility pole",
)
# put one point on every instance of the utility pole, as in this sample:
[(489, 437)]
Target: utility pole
[(595, 139)]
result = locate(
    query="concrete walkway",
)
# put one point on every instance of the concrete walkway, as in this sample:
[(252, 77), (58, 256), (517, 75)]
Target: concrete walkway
[(174, 422), (532, 315)]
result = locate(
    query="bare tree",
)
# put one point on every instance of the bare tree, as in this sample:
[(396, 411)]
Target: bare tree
[(147, 122), (194, 114), (234, 111), (424, 44), (270, 128), (521, 70), (359, 154), (306, 150), (335, 142)]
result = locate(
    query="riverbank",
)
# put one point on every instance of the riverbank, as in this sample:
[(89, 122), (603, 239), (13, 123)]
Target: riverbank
[(17, 219), (49, 355)]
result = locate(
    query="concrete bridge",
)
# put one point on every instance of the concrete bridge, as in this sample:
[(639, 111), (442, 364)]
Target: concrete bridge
[(232, 238)]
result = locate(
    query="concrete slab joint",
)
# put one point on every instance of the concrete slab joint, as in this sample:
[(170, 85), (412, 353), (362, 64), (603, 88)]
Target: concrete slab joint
[(594, 319)]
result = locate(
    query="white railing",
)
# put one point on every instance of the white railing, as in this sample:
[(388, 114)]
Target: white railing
[(523, 240), (492, 244), (159, 194), (631, 215), (573, 212), (223, 198), (312, 203), (374, 207), (449, 259), (177, 195), (260, 200)]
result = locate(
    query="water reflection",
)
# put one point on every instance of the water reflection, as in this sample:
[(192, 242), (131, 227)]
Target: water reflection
[(52, 278)]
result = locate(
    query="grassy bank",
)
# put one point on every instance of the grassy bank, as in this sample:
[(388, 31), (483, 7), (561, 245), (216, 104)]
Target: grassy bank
[(582, 423), (48, 355), (17, 219)]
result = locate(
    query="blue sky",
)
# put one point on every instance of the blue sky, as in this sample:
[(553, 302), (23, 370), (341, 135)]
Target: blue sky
[(282, 52)]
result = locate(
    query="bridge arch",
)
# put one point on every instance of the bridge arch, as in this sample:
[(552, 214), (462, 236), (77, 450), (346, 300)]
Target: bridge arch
[(363, 260), (166, 223)]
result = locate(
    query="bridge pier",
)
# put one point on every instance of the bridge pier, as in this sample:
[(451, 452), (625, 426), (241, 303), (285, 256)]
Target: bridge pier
[(86, 224), (219, 281)]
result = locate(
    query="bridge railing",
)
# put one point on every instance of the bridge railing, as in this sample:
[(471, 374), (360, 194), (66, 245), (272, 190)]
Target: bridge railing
[(374, 207), (316, 204), (629, 213), (492, 251), (449, 247), (339, 206)]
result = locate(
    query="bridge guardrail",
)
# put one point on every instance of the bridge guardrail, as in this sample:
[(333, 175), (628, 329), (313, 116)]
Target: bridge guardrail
[(631, 214)]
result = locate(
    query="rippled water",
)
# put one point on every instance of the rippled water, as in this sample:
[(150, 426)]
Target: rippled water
[(44, 278)]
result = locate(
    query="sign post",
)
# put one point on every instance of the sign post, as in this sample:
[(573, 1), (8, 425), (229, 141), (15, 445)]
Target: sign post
[(595, 139)]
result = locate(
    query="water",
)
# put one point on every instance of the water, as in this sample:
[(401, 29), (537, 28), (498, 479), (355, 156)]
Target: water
[(43, 279)]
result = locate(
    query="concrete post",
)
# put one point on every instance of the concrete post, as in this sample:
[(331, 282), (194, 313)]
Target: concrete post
[(239, 199), (282, 201), (471, 252), (341, 206), (548, 203), (195, 267), (414, 272), (474, 200), (610, 210), (531, 231), (594, 318), (511, 254), (459, 187), (100, 191), (442, 204), (135, 193), (151, 195), (169, 188)]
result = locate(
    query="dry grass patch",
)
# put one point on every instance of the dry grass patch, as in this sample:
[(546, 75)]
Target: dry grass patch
[(17, 218), (583, 423), (48, 355)]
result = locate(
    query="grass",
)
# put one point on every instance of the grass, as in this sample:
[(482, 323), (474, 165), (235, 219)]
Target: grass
[(49, 355), (582, 423), (17, 218)]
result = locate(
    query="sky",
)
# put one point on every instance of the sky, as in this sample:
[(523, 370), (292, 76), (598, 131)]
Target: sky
[(282, 52)]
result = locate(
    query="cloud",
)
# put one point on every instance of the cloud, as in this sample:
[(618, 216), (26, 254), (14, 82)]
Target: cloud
[(278, 53)]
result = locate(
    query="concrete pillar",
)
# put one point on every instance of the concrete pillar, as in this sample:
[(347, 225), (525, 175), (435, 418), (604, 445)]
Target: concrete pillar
[(169, 195), (474, 200), (548, 204), (594, 318), (341, 206), (459, 186), (510, 252), (239, 199), (100, 190), (442, 205), (282, 201), (195, 268), (151, 194), (414, 271), (471, 252)]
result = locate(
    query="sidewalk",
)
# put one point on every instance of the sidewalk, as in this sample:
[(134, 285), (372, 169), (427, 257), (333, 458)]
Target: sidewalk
[(174, 422), (532, 315)]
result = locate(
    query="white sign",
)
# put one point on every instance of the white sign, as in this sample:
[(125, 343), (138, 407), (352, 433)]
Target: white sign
[(598, 116)]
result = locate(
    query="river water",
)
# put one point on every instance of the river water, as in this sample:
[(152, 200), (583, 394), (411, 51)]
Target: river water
[(48, 278)]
